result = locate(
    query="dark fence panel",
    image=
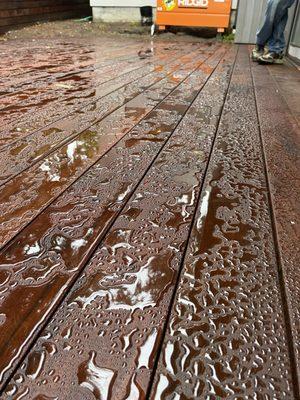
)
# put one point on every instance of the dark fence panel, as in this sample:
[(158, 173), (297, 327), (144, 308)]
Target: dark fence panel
[(14, 13)]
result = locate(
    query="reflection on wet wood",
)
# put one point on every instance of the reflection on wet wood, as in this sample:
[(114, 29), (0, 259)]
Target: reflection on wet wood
[(137, 244)]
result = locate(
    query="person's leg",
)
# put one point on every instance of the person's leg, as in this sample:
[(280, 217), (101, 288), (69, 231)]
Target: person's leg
[(265, 32), (276, 42)]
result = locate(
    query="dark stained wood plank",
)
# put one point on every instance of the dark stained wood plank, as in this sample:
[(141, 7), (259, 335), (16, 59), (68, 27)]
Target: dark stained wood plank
[(116, 174), (281, 140), (147, 253), (226, 336)]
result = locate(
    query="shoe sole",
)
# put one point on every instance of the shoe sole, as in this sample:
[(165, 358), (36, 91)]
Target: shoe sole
[(256, 58), (278, 62)]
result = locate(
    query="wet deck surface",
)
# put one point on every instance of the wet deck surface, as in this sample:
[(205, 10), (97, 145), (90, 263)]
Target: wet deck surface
[(149, 222)]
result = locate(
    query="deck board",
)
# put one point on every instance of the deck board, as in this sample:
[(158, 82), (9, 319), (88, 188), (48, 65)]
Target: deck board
[(107, 98), (55, 173), (88, 217), (145, 224), (227, 335), (281, 140)]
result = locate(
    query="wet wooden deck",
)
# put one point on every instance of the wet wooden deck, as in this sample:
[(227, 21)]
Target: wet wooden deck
[(149, 222)]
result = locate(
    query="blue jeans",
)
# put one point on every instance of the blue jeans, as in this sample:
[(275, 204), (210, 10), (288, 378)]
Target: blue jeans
[(272, 31)]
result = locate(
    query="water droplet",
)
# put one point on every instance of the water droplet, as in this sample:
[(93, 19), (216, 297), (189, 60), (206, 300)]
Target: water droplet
[(36, 360)]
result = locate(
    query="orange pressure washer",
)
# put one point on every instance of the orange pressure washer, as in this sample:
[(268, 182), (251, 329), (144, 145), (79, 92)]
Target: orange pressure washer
[(194, 13)]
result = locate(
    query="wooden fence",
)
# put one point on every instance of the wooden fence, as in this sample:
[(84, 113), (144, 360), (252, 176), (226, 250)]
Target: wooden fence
[(14, 13)]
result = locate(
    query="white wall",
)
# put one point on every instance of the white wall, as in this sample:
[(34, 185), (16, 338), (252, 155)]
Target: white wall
[(234, 4), (122, 3), (294, 51), (124, 10), (133, 3)]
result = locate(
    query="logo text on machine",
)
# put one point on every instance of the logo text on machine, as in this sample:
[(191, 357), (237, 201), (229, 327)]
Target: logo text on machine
[(193, 3)]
